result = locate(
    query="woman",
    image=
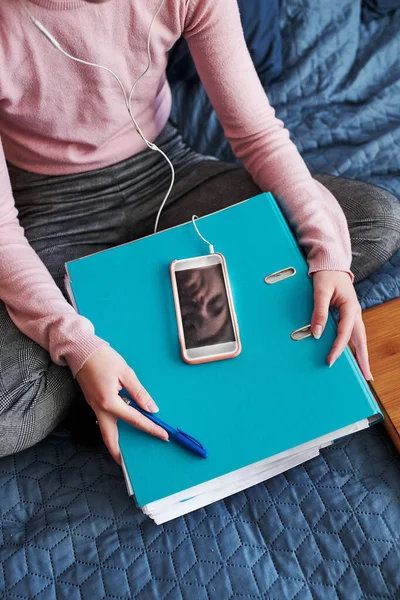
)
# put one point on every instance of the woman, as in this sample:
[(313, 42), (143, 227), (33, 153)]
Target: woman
[(83, 180)]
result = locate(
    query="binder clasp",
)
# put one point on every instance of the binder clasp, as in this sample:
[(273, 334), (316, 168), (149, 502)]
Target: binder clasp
[(280, 275), (300, 334)]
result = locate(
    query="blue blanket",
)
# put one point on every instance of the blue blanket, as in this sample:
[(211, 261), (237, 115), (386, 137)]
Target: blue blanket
[(327, 530)]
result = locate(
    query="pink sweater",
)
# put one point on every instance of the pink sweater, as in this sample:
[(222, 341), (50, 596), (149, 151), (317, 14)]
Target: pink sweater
[(57, 116)]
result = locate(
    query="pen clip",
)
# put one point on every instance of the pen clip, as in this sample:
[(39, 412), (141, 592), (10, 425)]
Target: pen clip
[(124, 397), (189, 437)]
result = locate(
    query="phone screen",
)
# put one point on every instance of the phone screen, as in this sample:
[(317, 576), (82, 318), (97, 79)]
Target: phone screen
[(206, 316)]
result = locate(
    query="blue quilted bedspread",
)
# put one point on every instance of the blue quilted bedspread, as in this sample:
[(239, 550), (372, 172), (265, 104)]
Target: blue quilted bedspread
[(324, 531)]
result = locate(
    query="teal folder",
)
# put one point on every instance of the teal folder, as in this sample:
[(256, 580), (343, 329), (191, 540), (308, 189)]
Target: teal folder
[(277, 395)]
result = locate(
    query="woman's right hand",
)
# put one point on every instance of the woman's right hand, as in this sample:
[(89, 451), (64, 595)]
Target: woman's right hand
[(101, 378)]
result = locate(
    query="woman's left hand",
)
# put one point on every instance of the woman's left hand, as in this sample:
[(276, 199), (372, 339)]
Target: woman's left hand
[(336, 288)]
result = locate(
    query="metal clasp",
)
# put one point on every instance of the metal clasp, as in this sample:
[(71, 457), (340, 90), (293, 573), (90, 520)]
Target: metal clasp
[(300, 334), (280, 275)]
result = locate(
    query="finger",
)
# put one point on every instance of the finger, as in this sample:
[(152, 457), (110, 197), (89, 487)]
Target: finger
[(359, 340), (127, 413), (109, 432), (322, 299), (138, 392), (345, 328)]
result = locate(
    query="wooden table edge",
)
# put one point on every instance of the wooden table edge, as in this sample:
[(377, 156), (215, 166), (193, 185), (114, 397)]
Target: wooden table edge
[(372, 317), (387, 422)]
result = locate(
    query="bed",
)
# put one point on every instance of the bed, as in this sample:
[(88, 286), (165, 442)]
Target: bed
[(326, 530)]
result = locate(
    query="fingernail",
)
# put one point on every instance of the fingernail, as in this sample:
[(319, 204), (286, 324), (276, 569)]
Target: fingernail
[(317, 331), (371, 378), (331, 363), (152, 406)]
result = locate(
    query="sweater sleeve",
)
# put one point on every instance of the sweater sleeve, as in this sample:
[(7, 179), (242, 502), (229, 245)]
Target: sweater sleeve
[(33, 300), (216, 41)]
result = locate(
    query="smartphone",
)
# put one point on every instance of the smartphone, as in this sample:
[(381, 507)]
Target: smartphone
[(205, 313)]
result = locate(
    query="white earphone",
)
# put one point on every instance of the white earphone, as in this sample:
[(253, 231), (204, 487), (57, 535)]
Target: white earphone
[(128, 99)]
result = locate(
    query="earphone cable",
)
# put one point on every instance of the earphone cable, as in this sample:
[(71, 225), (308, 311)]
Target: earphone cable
[(128, 100)]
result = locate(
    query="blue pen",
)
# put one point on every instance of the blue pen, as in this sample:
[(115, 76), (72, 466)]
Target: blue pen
[(177, 435)]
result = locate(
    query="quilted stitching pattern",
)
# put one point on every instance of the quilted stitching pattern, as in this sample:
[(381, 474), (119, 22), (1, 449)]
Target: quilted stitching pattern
[(381, 286), (325, 530)]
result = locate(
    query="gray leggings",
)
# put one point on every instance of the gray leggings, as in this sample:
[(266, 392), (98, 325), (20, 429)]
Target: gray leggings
[(66, 217)]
